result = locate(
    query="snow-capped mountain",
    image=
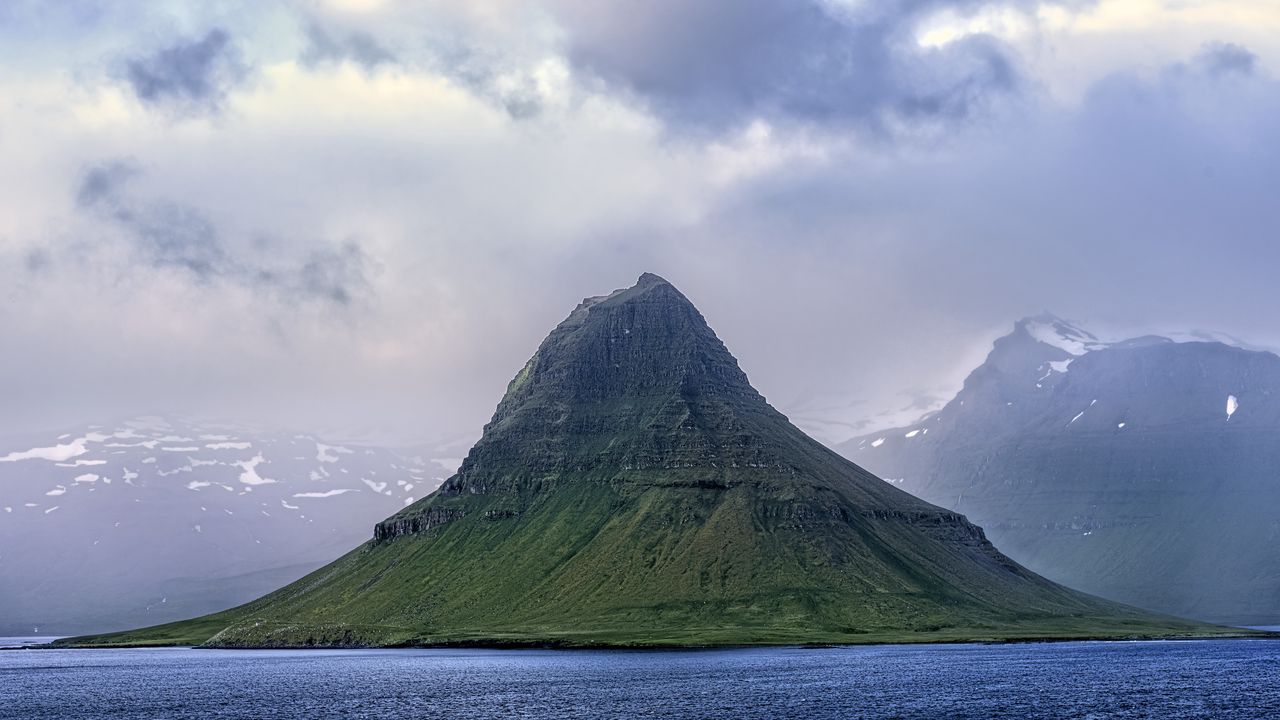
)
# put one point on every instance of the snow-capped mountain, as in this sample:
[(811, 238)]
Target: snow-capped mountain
[(1145, 470), (153, 519)]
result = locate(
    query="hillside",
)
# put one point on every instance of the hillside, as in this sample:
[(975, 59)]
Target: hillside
[(632, 488)]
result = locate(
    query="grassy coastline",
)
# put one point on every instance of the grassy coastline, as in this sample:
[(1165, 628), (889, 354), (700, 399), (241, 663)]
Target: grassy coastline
[(296, 637)]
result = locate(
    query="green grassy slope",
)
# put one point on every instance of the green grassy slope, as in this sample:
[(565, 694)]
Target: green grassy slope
[(665, 566)]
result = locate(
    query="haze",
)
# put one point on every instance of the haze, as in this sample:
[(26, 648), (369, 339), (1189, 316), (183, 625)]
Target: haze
[(363, 216)]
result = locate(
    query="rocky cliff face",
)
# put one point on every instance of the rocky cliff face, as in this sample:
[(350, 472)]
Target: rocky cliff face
[(630, 384), (1143, 471), (639, 359), (417, 522)]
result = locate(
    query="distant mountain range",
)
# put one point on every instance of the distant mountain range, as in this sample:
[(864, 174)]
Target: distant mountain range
[(1145, 471), (153, 519), (633, 488)]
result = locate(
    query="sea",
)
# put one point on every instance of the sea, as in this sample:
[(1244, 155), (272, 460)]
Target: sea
[(1176, 679)]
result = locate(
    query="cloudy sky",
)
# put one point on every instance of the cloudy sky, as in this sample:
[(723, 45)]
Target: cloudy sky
[(365, 214)]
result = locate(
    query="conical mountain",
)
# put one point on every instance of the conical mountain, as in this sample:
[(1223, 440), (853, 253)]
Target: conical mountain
[(633, 488)]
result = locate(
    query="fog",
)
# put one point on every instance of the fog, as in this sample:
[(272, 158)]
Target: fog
[(362, 217)]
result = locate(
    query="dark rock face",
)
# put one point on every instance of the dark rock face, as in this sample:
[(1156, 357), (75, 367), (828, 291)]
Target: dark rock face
[(630, 384), (639, 359), (1144, 471), (418, 522)]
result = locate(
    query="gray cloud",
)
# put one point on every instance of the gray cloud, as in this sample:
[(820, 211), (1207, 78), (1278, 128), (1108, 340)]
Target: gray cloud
[(357, 46), (103, 182), (166, 234), (834, 270), (193, 75), (478, 69), (170, 235), (36, 260), (487, 72), (335, 274), (521, 103), (721, 62), (1221, 58), (173, 235)]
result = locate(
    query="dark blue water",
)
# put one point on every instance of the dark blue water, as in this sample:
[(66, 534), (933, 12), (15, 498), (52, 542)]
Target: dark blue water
[(1201, 679)]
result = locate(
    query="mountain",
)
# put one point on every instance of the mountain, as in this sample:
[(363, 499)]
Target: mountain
[(151, 520), (632, 488), (1144, 471)]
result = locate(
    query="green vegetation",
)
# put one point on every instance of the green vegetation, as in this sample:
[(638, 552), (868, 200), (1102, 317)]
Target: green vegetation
[(634, 490)]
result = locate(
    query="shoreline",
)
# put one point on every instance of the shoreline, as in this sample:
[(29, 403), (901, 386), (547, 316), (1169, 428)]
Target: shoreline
[(670, 647)]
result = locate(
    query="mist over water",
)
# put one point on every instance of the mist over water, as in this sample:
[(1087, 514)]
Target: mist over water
[(1190, 679), (7, 643)]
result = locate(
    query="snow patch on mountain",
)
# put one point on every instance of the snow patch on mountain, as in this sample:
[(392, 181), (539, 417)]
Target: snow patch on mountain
[(81, 463), (249, 474), (1058, 333), (325, 494), (57, 453), (172, 471), (323, 455)]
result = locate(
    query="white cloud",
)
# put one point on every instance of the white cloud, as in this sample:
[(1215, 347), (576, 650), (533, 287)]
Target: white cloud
[(491, 182)]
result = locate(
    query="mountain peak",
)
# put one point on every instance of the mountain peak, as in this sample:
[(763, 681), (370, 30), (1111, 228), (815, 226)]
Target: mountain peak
[(647, 284), (1053, 331), (631, 379), (1044, 317), (650, 287), (649, 278)]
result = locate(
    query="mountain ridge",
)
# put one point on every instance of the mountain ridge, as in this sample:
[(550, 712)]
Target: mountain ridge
[(1137, 470)]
